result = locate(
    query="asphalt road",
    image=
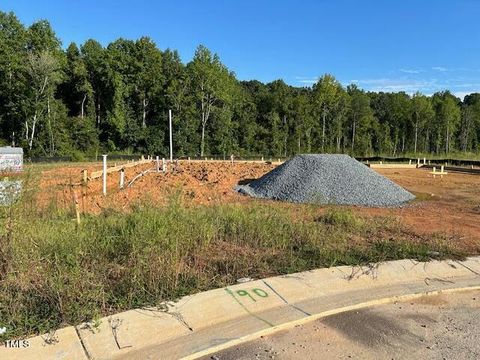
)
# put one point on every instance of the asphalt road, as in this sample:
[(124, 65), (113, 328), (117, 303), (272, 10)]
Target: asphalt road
[(435, 327)]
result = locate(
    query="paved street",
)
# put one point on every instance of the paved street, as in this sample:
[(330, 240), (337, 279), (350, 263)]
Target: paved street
[(438, 327)]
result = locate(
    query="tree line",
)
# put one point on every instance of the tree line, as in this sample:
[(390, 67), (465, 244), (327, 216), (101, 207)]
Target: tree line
[(87, 99)]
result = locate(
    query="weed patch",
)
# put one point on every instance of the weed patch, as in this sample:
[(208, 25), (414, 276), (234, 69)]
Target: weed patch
[(57, 273)]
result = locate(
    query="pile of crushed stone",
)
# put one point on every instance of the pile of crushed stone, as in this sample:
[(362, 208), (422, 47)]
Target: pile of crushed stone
[(327, 179)]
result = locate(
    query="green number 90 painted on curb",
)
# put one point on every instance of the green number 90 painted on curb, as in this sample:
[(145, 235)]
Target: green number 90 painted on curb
[(258, 292)]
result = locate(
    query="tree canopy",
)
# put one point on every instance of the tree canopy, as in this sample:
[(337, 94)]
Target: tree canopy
[(86, 98)]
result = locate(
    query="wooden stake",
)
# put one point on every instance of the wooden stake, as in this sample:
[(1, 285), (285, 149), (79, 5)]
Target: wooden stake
[(77, 208)]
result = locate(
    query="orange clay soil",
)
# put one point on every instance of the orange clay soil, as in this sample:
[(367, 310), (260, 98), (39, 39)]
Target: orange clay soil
[(450, 205), (198, 183)]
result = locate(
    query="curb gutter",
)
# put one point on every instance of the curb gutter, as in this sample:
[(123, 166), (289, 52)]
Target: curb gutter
[(200, 324)]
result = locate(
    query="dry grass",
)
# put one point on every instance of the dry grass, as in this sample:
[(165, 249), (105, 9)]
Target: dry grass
[(55, 273)]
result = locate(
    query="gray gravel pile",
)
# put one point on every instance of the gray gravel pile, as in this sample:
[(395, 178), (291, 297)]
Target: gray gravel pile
[(327, 179)]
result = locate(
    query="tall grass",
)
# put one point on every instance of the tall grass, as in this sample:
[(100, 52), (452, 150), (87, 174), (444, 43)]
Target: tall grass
[(55, 272)]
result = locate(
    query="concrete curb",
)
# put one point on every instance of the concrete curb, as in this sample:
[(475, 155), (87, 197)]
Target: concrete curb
[(203, 323)]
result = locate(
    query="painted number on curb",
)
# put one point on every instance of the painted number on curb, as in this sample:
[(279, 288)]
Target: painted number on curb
[(257, 292)]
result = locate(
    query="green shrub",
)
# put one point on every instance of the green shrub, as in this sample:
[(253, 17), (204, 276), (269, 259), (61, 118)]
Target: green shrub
[(77, 155)]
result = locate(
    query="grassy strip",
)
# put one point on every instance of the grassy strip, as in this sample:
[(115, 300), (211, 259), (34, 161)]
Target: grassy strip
[(55, 273)]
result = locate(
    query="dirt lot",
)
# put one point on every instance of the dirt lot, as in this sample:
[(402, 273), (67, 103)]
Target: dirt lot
[(198, 183), (450, 205)]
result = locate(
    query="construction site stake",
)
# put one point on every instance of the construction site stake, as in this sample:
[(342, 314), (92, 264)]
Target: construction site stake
[(84, 176), (158, 164), (164, 166), (75, 203), (170, 127), (104, 175), (122, 178)]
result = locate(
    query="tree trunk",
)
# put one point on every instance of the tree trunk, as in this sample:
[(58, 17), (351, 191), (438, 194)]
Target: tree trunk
[(34, 123), (395, 144), (323, 131), (202, 146), (427, 141), (204, 123), (308, 140), (416, 137), (427, 145), (285, 138), (465, 132), (98, 111), (52, 141), (82, 107), (144, 113), (447, 140), (353, 135)]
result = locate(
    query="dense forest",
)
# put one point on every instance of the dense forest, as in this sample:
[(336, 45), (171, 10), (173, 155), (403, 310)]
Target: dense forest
[(86, 99)]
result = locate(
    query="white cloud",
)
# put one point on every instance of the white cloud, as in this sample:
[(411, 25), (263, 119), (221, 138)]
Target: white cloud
[(396, 85), (410, 71), (468, 85), (410, 84), (462, 94), (425, 86), (306, 79)]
